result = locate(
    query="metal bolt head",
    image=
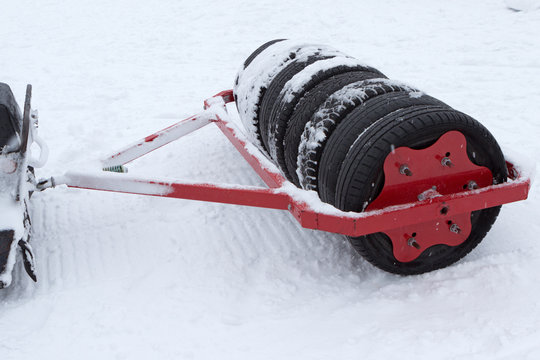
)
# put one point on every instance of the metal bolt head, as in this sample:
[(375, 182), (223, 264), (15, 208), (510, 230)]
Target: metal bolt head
[(412, 242), (455, 228), (404, 170), (446, 161), (472, 185)]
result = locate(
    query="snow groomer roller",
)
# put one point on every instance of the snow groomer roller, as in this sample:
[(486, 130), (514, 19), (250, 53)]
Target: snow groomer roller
[(414, 184)]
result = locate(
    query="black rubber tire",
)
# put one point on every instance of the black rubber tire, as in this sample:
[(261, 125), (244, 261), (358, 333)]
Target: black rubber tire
[(10, 125), (285, 105), (287, 58), (327, 118), (352, 126), (254, 54), (361, 179), (304, 110), (259, 50), (274, 88)]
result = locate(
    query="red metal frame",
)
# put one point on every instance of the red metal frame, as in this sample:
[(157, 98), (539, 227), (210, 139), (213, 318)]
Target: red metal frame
[(389, 217)]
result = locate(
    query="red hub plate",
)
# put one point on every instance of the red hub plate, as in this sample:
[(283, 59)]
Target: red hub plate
[(420, 175)]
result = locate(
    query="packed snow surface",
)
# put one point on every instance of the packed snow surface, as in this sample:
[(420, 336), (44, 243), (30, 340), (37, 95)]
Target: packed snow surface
[(127, 276)]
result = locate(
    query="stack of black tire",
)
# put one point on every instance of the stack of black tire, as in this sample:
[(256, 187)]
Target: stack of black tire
[(329, 121)]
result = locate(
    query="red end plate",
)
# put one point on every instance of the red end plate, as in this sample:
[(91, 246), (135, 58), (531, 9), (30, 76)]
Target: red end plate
[(420, 175)]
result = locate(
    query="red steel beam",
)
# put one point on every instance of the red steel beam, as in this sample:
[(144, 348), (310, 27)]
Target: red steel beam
[(392, 217), (220, 193)]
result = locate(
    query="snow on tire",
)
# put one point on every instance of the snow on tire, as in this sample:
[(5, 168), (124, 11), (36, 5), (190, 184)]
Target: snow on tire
[(329, 115), (274, 89), (250, 59), (296, 88), (304, 110), (257, 76)]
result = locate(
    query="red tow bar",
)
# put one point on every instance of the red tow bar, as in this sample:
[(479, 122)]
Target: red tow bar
[(427, 198)]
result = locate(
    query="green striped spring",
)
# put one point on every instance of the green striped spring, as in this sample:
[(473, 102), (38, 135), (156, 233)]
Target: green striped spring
[(116, 168)]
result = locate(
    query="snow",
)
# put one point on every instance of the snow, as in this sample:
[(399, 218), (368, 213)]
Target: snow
[(6, 276), (523, 5), (11, 219), (524, 164), (12, 215), (126, 276), (298, 82)]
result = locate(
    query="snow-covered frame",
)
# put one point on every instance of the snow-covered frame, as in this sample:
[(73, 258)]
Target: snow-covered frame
[(304, 205)]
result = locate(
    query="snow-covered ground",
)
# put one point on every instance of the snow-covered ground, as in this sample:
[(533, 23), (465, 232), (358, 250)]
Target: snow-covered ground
[(123, 276)]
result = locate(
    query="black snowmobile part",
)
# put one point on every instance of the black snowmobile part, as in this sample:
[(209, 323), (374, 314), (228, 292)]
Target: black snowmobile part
[(25, 132), (12, 124), (6, 239), (10, 116)]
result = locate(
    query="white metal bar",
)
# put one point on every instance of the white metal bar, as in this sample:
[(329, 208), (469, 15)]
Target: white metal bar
[(158, 139), (212, 192), (108, 181)]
